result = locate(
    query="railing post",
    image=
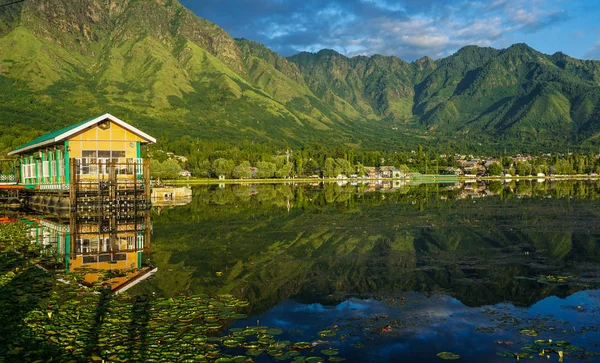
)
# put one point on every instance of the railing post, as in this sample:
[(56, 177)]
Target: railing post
[(147, 191)]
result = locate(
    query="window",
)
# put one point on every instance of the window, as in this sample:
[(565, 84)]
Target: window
[(92, 159)]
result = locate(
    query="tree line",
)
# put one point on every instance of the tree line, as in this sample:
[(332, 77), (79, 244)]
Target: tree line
[(258, 160)]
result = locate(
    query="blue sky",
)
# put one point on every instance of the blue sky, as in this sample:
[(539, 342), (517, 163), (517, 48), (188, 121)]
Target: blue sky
[(409, 29)]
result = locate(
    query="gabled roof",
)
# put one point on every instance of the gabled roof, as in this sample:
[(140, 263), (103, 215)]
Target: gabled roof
[(67, 132)]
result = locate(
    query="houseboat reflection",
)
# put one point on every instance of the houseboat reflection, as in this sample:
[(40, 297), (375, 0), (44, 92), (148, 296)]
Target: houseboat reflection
[(106, 250)]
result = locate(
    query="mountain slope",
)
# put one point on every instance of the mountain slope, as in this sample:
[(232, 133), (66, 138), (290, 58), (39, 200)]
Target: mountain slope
[(158, 66)]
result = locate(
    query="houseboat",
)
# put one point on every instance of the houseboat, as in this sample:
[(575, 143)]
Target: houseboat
[(95, 165)]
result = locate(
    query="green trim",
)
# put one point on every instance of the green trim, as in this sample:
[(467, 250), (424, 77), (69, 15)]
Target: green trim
[(57, 162), (54, 134), (22, 177), (44, 156), (139, 260), (67, 164), (138, 150), (58, 242)]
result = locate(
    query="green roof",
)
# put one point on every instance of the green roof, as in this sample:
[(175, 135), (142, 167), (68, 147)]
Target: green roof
[(61, 134), (53, 134)]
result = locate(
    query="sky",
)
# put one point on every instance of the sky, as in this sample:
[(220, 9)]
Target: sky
[(409, 29)]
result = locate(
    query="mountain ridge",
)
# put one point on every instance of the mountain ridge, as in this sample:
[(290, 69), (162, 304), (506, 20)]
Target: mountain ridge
[(154, 63)]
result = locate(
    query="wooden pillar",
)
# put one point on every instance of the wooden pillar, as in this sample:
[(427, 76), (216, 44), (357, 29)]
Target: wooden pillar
[(146, 172)]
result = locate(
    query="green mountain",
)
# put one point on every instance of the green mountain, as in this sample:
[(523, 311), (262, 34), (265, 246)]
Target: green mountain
[(155, 64)]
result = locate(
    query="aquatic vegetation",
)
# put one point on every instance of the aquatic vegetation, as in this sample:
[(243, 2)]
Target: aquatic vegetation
[(547, 348), (448, 355), (529, 332), (49, 315)]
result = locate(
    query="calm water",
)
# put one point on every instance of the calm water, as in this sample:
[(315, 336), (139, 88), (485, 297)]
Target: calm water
[(395, 272)]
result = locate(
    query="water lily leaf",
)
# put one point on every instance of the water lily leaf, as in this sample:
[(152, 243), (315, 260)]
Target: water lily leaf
[(314, 360), (562, 343), (336, 359), (529, 332), (275, 352), (251, 345), (302, 345), (231, 343), (274, 331), (326, 333), (330, 351), (448, 355)]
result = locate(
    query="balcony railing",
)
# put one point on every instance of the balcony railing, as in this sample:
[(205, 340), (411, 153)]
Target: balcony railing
[(102, 167)]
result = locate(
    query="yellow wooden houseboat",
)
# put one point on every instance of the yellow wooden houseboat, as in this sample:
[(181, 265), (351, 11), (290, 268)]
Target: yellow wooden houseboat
[(90, 164)]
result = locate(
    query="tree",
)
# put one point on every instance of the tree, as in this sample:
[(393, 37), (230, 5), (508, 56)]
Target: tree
[(541, 169), (169, 169), (523, 168), (563, 167), (343, 167), (223, 166), (203, 170), (495, 169), (329, 168), (284, 171), (360, 170), (265, 169), (242, 171), (299, 165)]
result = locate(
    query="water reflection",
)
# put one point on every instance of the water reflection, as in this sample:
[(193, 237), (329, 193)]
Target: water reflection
[(107, 248), (482, 243)]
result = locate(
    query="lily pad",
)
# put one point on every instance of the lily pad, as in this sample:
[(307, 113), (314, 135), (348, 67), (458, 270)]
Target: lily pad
[(448, 355), (274, 331), (326, 333), (330, 351), (231, 343), (302, 345), (529, 332)]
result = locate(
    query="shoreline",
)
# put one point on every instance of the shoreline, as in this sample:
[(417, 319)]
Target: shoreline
[(441, 178)]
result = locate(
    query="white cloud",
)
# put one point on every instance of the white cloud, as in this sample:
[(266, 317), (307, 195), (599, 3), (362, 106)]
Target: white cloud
[(594, 51), (425, 41), (409, 29)]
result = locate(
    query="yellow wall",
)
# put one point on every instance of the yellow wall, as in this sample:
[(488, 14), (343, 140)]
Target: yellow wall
[(130, 262), (114, 138)]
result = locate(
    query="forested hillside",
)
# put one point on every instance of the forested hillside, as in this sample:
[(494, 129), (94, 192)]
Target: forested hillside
[(158, 66)]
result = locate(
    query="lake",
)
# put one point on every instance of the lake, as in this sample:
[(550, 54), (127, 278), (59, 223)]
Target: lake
[(384, 272)]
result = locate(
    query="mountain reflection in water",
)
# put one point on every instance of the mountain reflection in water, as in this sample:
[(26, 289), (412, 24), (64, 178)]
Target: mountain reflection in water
[(481, 243), (388, 273)]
